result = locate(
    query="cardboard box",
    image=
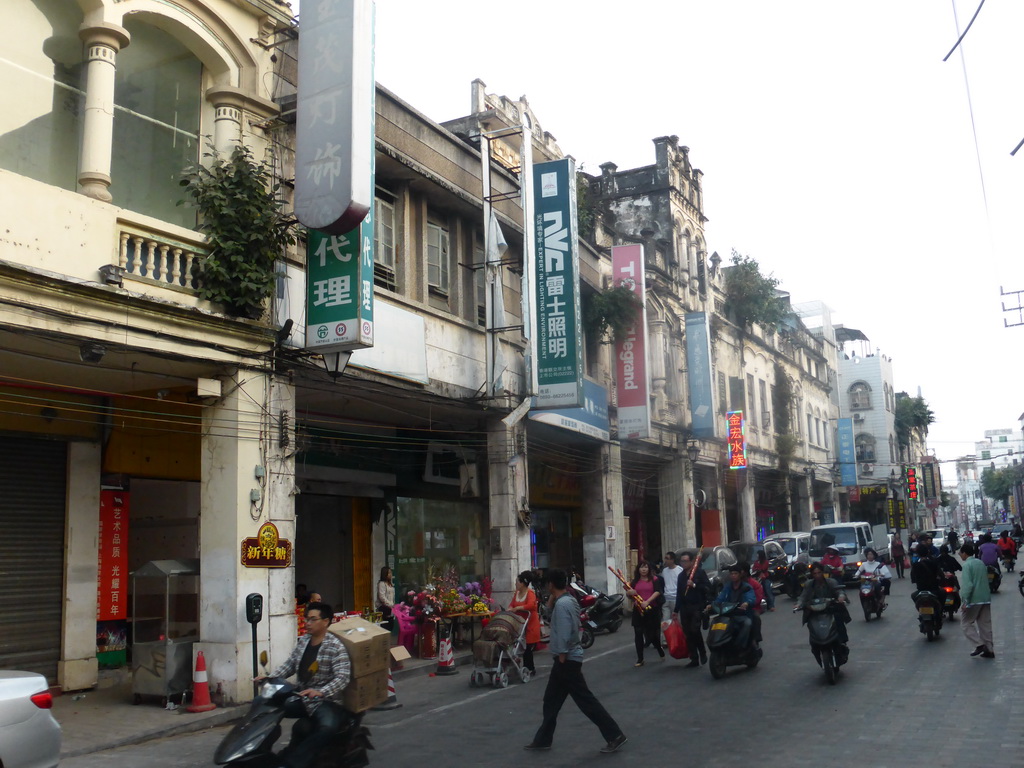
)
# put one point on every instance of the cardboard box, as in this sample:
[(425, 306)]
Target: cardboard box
[(368, 646), (365, 692), (400, 653)]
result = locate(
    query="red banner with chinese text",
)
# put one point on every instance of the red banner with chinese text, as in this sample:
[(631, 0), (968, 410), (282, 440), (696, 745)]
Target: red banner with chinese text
[(112, 584)]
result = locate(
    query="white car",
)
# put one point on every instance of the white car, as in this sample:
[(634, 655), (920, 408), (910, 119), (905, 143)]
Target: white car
[(29, 736)]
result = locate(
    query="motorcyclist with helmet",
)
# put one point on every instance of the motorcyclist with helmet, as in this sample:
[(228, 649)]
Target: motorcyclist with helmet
[(823, 586), (832, 562)]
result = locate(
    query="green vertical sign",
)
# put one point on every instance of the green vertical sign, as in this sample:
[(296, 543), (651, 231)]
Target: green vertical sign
[(339, 289), (339, 278), (559, 336)]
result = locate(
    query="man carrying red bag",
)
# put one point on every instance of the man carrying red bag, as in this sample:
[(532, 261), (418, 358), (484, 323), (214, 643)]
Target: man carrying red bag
[(692, 598)]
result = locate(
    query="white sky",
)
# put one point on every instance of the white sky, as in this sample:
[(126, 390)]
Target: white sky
[(836, 148)]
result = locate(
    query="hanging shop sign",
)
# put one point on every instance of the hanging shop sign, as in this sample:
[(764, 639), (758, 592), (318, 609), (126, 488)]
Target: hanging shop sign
[(267, 549), (847, 453), (633, 400), (558, 342), (335, 109), (897, 514), (931, 482), (112, 585), (737, 440), (590, 419), (339, 289), (698, 374), (911, 477)]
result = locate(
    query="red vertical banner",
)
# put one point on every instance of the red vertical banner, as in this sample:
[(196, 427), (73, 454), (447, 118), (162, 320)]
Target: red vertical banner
[(112, 584), (634, 402)]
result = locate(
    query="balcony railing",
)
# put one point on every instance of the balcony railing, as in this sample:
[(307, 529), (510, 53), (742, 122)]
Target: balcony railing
[(165, 260)]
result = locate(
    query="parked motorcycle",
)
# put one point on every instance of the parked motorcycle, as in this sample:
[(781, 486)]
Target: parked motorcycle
[(603, 612), (929, 613), (731, 640), (994, 578), (871, 596), (251, 742), (823, 633), (1020, 584)]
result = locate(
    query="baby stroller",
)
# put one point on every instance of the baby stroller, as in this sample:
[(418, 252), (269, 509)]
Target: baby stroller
[(500, 647)]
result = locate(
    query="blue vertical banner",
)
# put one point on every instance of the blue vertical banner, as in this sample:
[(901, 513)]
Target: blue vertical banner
[(698, 374), (559, 341), (847, 453)]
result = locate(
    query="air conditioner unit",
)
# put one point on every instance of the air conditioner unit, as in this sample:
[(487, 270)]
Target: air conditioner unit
[(858, 417), (867, 469)]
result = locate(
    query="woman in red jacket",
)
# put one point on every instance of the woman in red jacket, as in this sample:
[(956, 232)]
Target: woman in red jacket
[(526, 599)]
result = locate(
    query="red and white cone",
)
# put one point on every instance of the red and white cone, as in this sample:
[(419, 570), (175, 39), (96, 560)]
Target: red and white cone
[(446, 658), (200, 688), (392, 700)]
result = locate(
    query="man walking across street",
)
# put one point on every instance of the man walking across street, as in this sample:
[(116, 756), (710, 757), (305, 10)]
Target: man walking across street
[(691, 600), (670, 573), (567, 672), (976, 613)]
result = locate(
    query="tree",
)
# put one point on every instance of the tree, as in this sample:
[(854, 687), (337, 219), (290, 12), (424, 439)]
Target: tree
[(911, 413), (246, 229), (998, 483), (751, 297)]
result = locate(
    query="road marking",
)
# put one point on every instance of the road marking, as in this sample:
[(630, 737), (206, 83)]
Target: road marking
[(477, 697)]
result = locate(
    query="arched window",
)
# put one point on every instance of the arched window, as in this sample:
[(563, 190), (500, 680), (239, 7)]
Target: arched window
[(42, 71), (892, 450), (865, 445), (158, 100), (860, 396)]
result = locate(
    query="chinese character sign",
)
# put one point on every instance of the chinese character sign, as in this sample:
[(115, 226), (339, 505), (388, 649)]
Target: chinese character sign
[(633, 400), (112, 584), (912, 489), (339, 289), (558, 344), (335, 109), (267, 549), (736, 439)]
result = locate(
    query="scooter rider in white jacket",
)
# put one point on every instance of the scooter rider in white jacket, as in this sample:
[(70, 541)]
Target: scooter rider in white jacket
[(872, 567)]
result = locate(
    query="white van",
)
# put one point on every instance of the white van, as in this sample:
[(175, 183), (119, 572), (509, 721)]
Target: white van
[(850, 539)]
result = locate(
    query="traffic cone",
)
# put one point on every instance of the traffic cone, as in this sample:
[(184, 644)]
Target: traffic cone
[(200, 688), (446, 658), (392, 700)]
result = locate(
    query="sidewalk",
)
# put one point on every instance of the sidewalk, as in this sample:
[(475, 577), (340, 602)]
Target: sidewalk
[(105, 718)]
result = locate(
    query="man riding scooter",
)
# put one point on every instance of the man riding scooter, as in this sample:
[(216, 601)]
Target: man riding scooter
[(821, 586)]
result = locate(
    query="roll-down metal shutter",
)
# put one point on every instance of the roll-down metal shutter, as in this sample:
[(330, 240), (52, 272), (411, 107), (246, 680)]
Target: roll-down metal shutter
[(33, 499)]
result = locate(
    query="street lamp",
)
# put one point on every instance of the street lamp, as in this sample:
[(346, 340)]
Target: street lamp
[(693, 450)]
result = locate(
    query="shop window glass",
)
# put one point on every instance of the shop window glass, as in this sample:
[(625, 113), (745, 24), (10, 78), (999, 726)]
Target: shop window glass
[(42, 69), (157, 103), (435, 535)]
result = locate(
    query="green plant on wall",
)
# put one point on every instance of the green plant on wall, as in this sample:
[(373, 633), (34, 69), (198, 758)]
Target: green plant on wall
[(785, 446), (611, 313), (247, 232), (586, 207)]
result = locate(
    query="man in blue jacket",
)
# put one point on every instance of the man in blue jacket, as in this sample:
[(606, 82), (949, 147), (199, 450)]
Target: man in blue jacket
[(567, 672)]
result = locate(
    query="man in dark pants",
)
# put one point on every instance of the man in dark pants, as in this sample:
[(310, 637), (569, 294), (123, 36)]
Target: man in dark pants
[(321, 664), (691, 599), (567, 673)]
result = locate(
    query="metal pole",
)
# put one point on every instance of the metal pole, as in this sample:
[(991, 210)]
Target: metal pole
[(255, 661)]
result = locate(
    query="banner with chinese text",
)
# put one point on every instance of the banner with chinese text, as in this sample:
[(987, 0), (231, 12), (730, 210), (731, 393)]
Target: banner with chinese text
[(698, 374), (559, 338), (847, 453), (112, 584), (736, 439)]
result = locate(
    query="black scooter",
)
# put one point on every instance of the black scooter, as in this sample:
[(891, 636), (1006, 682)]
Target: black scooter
[(929, 613), (251, 742), (731, 640), (823, 633), (949, 592), (603, 612), (871, 597)]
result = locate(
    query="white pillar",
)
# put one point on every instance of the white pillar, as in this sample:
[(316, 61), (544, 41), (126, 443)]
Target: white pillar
[(241, 459), (227, 117), (509, 537), (602, 510), (675, 488), (102, 42), (748, 510), (78, 667)]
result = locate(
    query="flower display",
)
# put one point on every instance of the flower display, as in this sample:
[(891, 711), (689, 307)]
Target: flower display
[(425, 604)]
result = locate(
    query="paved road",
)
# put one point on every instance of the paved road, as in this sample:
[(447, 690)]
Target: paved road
[(901, 702)]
